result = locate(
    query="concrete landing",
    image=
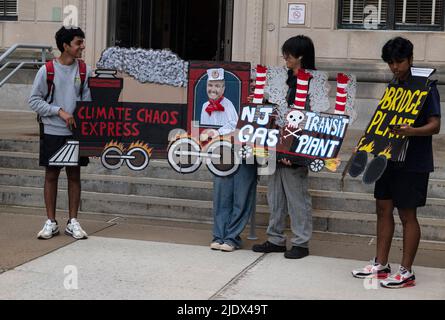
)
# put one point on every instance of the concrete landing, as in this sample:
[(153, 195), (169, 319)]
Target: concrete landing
[(118, 269)]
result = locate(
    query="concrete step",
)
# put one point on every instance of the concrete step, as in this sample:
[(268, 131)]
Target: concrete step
[(141, 186), (117, 204), (29, 142), (201, 211), (30, 145), (156, 169), (159, 169), (332, 182), (365, 203), (202, 191)]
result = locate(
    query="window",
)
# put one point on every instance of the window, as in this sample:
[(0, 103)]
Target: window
[(193, 29), (391, 14), (8, 10)]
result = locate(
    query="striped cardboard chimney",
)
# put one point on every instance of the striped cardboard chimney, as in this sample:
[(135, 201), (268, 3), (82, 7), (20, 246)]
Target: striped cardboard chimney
[(261, 73), (342, 95), (303, 78)]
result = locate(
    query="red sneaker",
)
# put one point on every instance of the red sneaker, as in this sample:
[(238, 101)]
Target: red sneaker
[(402, 279)]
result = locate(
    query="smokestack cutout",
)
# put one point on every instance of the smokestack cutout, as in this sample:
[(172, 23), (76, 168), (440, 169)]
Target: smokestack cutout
[(303, 78), (261, 73), (342, 95)]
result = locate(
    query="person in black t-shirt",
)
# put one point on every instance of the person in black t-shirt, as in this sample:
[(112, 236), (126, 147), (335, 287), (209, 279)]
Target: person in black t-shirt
[(404, 185)]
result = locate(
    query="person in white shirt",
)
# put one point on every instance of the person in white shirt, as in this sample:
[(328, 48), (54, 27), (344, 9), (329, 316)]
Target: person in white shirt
[(234, 197), (218, 111)]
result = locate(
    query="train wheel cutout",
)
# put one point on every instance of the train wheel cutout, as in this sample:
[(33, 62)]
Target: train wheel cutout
[(184, 156), (112, 158), (317, 165), (221, 160), (137, 159)]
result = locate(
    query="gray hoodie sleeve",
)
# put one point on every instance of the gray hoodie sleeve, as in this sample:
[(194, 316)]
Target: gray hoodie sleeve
[(37, 99)]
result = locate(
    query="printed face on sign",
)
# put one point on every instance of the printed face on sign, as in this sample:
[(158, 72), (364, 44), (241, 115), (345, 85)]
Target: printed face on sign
[(215, 93), (215, 89)]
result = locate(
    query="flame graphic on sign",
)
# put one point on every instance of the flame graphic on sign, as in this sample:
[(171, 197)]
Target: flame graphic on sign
[(181, 136), (387, 152), (332, 164), (115, 144), (142, 145), (368, 148)]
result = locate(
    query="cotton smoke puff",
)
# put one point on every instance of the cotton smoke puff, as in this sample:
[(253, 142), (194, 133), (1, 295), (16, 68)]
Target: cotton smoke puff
[(153, 66)]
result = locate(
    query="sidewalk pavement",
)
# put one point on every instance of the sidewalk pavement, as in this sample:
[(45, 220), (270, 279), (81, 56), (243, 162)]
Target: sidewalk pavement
[(142, 259)]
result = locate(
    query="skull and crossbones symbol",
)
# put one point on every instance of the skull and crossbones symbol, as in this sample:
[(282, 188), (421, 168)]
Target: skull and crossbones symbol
[(294, 118)]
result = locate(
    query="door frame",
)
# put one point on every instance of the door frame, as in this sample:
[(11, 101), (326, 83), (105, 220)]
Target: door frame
[(226, 39), (112, 19)]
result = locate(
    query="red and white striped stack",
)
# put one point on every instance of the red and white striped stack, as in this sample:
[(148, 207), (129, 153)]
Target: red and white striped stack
[(261, 74), (342, 95), (303, 78)]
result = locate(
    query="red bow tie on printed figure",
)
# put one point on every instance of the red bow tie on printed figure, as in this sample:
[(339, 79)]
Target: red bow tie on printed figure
[(215, 105)]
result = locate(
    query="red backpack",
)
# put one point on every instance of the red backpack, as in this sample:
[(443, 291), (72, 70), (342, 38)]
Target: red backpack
[(50, 78)]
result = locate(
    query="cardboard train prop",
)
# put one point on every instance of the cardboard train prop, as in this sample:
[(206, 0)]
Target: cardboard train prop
[(263, 132), (401, 104), (218, 126)]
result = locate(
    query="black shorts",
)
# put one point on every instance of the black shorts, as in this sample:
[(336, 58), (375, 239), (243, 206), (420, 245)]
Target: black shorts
[(407, 190), (49, 145)]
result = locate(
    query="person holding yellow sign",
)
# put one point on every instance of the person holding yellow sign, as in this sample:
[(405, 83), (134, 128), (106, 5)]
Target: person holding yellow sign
[(404, 184)]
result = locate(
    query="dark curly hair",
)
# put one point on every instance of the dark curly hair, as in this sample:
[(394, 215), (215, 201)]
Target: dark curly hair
[(66, 35), (397, 49)]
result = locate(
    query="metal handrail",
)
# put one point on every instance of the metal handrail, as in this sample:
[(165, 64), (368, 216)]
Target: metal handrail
[(21, 64)]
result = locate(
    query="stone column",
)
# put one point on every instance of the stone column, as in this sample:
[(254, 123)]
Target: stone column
[(248, 28), (96, 26), (271, 33)]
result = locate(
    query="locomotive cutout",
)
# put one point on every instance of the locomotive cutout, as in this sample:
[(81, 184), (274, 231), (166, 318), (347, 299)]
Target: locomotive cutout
[(217, 127), (119, 132), (305, 137)]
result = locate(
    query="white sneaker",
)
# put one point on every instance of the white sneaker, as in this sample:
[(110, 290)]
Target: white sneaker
[(215, 246), (374, 270), (50, 229), (227, 248), (402, 279), (74, 229)]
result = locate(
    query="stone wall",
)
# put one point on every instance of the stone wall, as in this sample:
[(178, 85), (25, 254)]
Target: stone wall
[(39, 21)]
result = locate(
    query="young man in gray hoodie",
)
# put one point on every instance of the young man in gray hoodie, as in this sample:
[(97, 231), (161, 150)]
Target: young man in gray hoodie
[(55, 105)]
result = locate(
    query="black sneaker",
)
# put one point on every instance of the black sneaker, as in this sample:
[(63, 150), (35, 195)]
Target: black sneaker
[(358, 164), (375, 170), (268, 247), (296, 253)]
